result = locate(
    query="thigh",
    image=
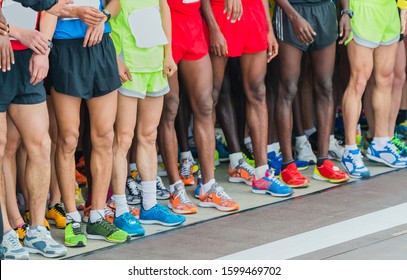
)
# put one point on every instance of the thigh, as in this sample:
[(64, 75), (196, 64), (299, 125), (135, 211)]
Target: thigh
[(384, 58), (148, 115), (289, 62), (102, 113), (254, 67), (67, 112), (323, 63)]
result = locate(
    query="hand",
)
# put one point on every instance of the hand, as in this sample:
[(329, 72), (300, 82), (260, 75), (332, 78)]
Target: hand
[(124, 71), (93, 35), (218, 43), (90, 16), (169, 66), (61, 8), (403, 21), (304, 31), (6, 53), (35, 40), (233, 10), (272, 49), (3, 28), (344, 28), (38, 67)]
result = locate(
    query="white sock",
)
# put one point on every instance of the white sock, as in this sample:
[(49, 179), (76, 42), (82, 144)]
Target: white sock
[(301, 139), (247, 140), (350, 147), (275, 147), (234, 159), (260, 172), (380, 142), (185, 155), (132, 166), (96, 215), (121, 204), (331, 138), (308, 132), (149, 193), (172, 186), (73, 217), (206, 187)]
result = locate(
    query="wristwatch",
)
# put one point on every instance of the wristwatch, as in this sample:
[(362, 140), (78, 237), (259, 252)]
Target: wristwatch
[(50, 44), (349, 12), (107, 14)]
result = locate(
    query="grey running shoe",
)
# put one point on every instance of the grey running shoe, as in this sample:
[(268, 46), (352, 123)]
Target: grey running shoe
[(133, 195), (162, 191), (39, 241), (12, 247)]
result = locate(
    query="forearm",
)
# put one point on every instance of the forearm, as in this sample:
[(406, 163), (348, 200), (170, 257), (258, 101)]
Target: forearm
[(208, 15), (268, 18), (38, 5), (48, 24), (166, 23), (288, 9), (113, 7), (345, 4)]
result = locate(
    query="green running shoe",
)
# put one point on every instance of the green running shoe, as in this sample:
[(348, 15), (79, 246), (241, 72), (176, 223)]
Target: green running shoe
[(75, 235), (103, 230)]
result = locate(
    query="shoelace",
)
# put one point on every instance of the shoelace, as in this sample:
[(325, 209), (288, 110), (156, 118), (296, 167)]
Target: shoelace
[(357, 160), (132, 186), (184, 199), (59, 210), (160, 185), (305, 146), (77, 229), (108, 226), (15, 244), (390, 146), (247, 167), (220, 192), (399, 144), (185, 168)]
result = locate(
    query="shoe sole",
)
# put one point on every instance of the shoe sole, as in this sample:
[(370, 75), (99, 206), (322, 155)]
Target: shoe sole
[(178, 211), (224, 159), (271, 193), (52, 222), (37, 251), (163, 197), (77, 245), (239, 180), (220, 208), (156, 222), (376, 159), (100, 237), (134, 202), (320, 178)]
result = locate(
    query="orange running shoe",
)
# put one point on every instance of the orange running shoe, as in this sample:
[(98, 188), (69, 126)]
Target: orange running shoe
[(217, 197), (179, 201), (242, 173), (80, 178), (293, 178), (329, 172), (187, 177)]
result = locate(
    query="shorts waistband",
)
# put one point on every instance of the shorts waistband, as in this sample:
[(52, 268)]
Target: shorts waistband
[(312, 4), (74, 42), (382, 3)]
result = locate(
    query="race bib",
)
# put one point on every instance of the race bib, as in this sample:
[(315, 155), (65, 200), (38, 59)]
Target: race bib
[(146, 27), (17, 15), (189, 1), (80, 3)]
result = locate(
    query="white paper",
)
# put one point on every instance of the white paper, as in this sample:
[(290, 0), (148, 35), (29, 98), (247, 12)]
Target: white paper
[(189, 1), (17, 15), (146, 27), (81, 3)]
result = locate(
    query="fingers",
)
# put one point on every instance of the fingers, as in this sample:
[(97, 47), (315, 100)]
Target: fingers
[(86, 39), (129, 75), (4, 60), (3, 28)]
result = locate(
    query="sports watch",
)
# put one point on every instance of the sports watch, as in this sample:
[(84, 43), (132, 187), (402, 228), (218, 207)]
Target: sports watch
[(107, 14), (349, 12)]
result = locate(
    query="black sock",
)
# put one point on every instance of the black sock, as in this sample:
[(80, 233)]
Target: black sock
[(401, 117), (320, 161), (285, 164)]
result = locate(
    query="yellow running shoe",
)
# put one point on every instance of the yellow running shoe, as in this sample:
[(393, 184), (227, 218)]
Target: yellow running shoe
[(56, 215), (27, 220)]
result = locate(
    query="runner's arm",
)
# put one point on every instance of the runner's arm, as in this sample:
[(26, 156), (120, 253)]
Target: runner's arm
[(169, 65)]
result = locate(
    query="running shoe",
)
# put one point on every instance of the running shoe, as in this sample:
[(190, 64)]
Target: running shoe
[(103, 230), (160, 215), (270, 184), (222, 151), (249, 160), (27, 220), (243, 173), (179, 201), (275, 161), (133, 194), (304, 152), (388, 155), (75, 235), (80, 178), (293, 178), (110, 209), (198, 185), (129, 224), (216, 158), (401, 147), (335, 150), (21, 232), (329, 172), (80, 202), (39, 241), (185, 172), (134, 174), (218, 198), (353, 163), (401, 129), (12, 247), (80, 165), (56, 216), (161, 170), (161, 190)]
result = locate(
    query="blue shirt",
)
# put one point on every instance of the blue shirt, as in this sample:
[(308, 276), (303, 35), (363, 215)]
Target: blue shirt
[(74, 28)]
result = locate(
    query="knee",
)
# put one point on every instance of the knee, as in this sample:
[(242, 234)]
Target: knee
[(123, 141), (385, 79), (10, 147), (103, 139), (39, 148), (358, 85), (170, 109), (256, 92), (324, 89), (203, 107), (288, 90), (147, 136), (68, 141), (399, 79)]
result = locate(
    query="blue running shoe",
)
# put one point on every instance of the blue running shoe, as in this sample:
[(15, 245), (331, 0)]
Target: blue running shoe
[(388, 155), (129, 224), (223, 151), (39, 241), (401, 147), (198, 185), (401, 129), (353, 163), (270, 184), (160, 215), (275, 161)]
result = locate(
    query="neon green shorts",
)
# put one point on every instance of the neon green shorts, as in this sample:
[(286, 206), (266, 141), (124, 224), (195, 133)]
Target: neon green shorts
[(375, 23), (151, 84)]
